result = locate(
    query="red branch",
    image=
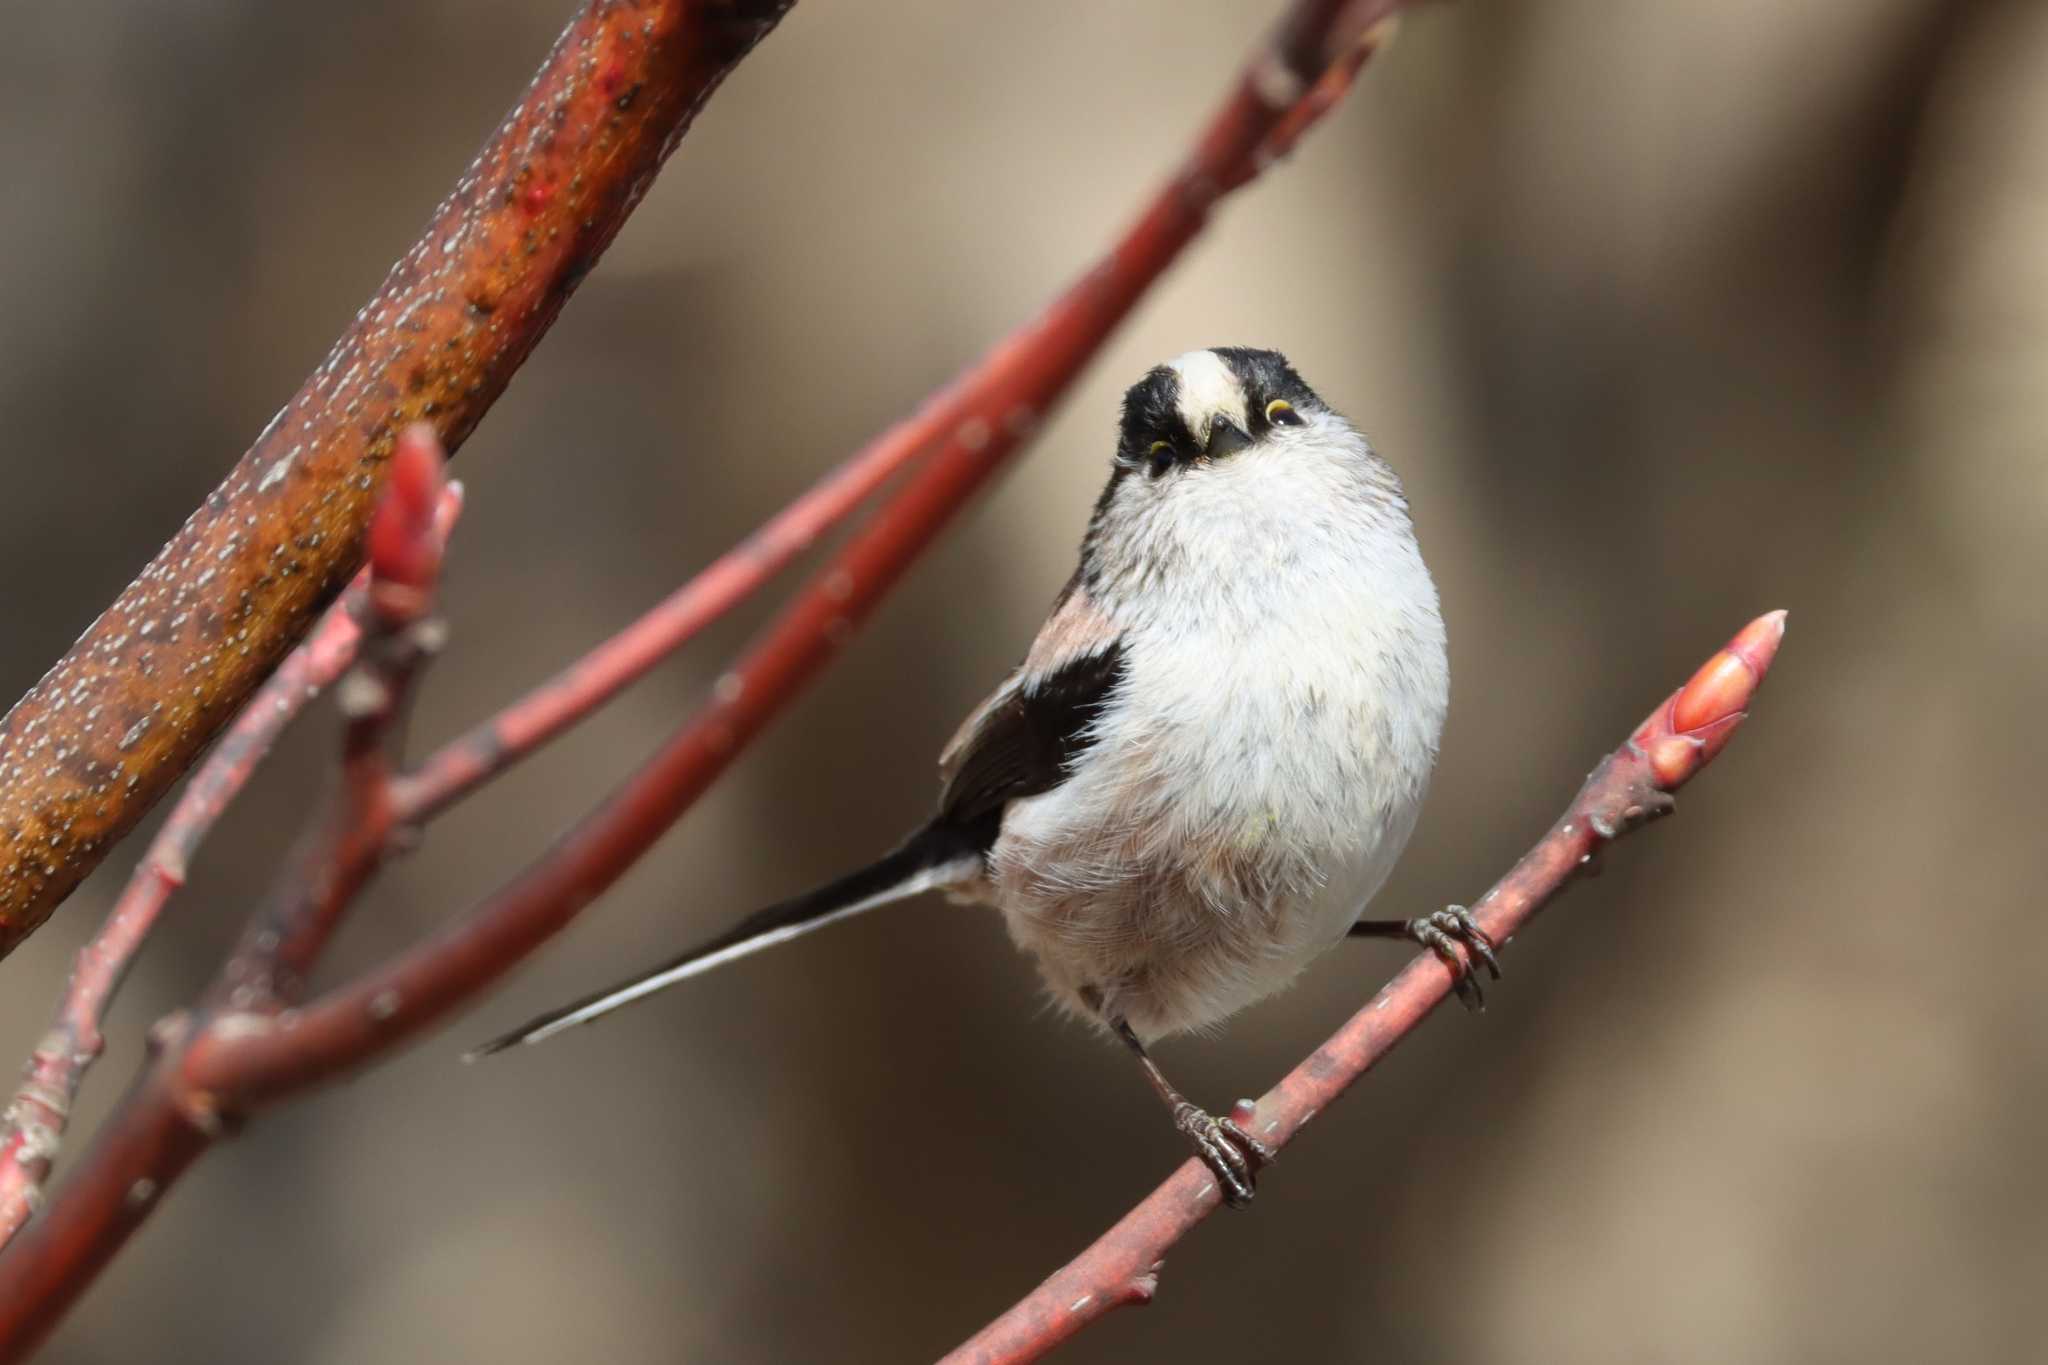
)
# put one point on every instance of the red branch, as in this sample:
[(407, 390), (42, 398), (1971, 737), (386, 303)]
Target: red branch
[(248, 1046), (94, 744), (35, 1120), (407, 540), (1631, 786), (463, 764)]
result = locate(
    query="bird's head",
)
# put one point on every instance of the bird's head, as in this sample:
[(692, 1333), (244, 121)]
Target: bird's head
[(1213, 405)]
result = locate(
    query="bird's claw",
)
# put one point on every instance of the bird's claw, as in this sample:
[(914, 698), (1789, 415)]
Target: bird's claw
[(1235, 1156), (1441, 932)]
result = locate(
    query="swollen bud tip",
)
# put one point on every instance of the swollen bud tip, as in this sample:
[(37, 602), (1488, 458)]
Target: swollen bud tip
[(1726, 683), (1758, 641), (404, 545)]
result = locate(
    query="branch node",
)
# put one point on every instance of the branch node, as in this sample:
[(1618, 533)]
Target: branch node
[(428, 637), (39, 1141), (201, 1111)]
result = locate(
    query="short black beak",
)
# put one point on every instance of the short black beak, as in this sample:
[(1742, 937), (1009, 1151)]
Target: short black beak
[(1225, 438)]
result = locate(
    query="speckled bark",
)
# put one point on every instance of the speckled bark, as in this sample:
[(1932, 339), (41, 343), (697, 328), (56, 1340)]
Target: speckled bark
[(93, 745)]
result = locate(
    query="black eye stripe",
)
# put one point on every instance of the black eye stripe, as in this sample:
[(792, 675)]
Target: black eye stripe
[(1151, 409)]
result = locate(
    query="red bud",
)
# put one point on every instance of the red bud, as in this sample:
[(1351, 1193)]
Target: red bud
[(403, 545), (1726, 682)]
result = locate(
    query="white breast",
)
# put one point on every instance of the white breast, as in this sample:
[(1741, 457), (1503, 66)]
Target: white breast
[(1262, 765)]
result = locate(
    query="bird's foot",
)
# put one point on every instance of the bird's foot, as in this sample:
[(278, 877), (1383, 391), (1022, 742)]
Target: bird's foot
[(1227, 1149), (1451, 926)]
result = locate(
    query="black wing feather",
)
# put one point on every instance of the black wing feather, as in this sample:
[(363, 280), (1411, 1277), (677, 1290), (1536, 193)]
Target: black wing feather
[(1030, 741)]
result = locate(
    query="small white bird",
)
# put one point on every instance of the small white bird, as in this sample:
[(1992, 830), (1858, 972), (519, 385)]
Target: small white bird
[(1215, 749)]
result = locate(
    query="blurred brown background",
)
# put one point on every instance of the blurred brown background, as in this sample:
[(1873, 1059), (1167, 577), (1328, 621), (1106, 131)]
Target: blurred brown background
[(1667, 313)]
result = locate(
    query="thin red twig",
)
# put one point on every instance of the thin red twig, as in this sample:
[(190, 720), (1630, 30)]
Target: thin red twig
[(36, 1118), (407, 540), (1631, 786), (229, 1059), (40, 1109), (516, 731), (491, 748), (171, 1125)]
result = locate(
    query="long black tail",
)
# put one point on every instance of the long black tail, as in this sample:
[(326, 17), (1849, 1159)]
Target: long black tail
[(934, 856)]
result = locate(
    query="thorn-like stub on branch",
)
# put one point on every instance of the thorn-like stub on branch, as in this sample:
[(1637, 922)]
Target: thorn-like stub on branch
[(428, 636), (202, 1111), (1637, 803), (361, 695), (168, 1031)]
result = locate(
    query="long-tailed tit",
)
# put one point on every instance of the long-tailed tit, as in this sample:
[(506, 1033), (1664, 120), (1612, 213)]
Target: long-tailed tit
[(1213, 752)]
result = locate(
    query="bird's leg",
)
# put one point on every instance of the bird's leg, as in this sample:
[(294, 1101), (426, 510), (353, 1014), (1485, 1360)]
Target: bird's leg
[(1438, 933), (1227, 1149)]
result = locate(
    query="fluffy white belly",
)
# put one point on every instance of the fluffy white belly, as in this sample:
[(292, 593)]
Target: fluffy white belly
[(1225, 829)]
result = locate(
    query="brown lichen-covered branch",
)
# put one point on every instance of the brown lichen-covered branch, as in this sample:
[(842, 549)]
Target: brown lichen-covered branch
[(1631, 786), (93, 745)]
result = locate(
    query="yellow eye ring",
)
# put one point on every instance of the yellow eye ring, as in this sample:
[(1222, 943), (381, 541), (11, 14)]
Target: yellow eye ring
[(1276, 407), (1158, 446)]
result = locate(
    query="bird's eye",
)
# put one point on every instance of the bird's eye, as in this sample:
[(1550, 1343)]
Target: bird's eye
[(1158, 448), (1162, 457), (1280, 412)]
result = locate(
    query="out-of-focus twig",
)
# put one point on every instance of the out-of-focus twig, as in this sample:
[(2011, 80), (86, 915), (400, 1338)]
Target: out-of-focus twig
[(390, 631), (407, 540), (490, 748), (245, 1048), (35, 1119), (91, 747), (1631, 786)]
